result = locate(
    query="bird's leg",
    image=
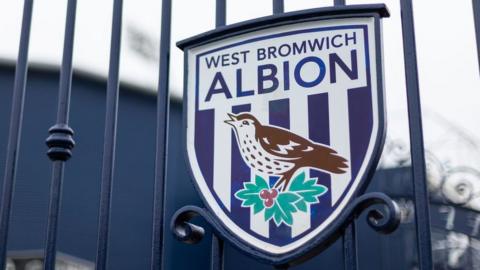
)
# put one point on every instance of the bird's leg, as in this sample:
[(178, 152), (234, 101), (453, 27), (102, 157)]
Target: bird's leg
[(283, 182), (283, 186), (280, 184)]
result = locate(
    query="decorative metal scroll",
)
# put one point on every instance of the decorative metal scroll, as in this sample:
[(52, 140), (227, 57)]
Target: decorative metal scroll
[(384, 219)]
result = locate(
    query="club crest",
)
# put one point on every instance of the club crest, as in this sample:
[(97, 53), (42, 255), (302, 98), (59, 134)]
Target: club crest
[(283, 127), (280, 154)]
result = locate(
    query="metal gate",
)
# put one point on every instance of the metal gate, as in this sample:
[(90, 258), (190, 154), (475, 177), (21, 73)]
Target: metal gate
[(61, 143)]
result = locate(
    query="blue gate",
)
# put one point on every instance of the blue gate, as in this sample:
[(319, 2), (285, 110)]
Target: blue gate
[(61, 144)]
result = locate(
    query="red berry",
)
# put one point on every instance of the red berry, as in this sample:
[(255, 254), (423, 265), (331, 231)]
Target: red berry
[(268, 202), (264, 194), (273, 193)]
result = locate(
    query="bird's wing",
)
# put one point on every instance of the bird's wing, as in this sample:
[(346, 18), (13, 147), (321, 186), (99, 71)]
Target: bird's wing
[(283, 143)]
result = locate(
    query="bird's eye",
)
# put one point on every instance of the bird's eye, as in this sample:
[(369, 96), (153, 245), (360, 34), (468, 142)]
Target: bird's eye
[(245, 122)]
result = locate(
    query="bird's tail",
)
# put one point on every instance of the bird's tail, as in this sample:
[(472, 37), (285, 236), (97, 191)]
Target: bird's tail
[(331, 161), (338, 164)]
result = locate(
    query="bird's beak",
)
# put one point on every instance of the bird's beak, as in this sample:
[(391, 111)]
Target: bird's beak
[(232, 119)]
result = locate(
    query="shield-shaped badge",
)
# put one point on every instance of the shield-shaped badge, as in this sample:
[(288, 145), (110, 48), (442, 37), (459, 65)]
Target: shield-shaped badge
[(284, 124)]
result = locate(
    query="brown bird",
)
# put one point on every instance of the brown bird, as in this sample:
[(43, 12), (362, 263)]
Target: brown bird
[(276, 151)]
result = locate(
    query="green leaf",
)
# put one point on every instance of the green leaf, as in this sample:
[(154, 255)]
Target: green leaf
[(250, 195), (300, 195), (261, 183), (308, 189), (282, 209), (301, 205), (270, 212)]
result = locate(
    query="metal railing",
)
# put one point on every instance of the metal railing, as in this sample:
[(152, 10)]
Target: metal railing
[(60, 141), (15, 130), (417, 152)]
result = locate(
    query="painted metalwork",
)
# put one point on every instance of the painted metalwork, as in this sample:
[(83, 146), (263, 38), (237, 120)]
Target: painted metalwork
[(383, 220), (15, 130), (216, 256), (278, 6), (350, 247), (110, 136), (217, 253), (220, 13), (297, 16), (476, 18), (336, 229), (163, 96), (349, 239), (60, 141), (422, 213)]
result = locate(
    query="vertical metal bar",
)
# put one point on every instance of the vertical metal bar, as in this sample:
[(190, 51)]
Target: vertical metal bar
[(109, 137), (278, 6), (15, 130), (416, 138), (217, 253), (217, 244), (476, 18), (350, 247), (60, 141), (349, 237), (220, 13), (163, 104)]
